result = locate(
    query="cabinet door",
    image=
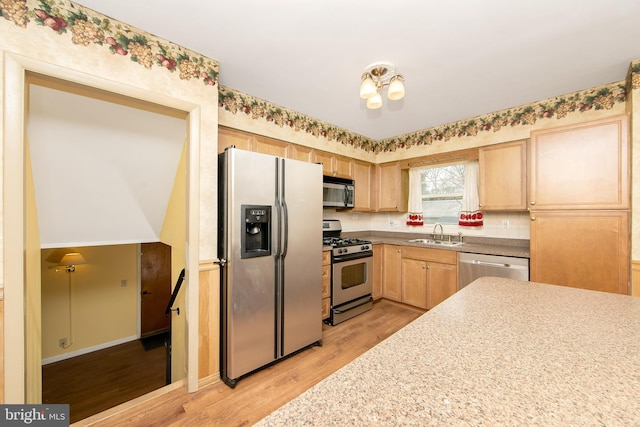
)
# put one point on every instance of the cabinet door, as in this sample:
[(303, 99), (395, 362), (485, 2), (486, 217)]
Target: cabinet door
[(583, 166), (393, 188), (442, 282), (502, 182), (327, 162), (298, 152), (228, 137), (378, 263), (343, 167), (362, 178), (581, 249), (270, 146), (392, 273), (414, 282)]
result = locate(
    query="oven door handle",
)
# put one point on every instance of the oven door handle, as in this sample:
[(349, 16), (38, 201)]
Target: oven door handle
[(351, 307), (351, 257)]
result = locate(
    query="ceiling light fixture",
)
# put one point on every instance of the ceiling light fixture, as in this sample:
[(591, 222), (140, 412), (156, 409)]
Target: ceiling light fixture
[(375, 78)]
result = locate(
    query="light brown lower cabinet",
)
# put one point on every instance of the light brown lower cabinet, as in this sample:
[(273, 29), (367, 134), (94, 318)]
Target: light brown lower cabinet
[(392, 273), (421, 277), (581, 249), (378, 263), (326, 284)]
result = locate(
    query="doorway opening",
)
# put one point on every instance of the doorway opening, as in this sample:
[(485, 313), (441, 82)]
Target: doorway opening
[(99, 180)]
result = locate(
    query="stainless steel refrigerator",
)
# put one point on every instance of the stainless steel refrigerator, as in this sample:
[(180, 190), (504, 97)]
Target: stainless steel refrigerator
[(270, 248)]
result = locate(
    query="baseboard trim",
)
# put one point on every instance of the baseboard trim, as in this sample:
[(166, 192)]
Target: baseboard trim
[(86, 350)]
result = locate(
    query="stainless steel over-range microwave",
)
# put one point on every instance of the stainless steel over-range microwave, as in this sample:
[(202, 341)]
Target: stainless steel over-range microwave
[(337, 192)]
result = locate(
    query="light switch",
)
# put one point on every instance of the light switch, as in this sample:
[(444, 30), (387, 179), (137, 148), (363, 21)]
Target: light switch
[(123, 282)]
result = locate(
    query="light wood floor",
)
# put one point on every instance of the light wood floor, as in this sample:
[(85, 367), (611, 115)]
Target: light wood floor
[(264, 391)]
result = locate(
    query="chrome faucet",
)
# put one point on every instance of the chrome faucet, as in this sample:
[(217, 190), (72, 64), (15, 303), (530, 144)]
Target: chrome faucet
[(441, 231)]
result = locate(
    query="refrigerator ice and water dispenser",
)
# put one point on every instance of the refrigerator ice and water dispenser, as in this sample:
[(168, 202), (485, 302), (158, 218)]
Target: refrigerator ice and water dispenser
[(256, 234)]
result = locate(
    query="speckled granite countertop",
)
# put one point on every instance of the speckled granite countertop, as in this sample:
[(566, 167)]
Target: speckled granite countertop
[(498, 353), (473, 244)]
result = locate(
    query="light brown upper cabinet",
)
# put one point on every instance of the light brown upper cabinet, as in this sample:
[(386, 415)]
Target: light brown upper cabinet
[(362, 175), (228, 137), (299, 152), (582, 166), (271, 146), (502, 183), (392, 187), (334, 165)]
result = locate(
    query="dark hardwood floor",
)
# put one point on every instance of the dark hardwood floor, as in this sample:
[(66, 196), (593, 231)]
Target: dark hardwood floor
[(100, 380), (253, 397)]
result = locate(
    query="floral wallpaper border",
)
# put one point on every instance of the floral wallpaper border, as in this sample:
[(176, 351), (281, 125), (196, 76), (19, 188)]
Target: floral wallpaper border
[(87, 27), (600, 98)]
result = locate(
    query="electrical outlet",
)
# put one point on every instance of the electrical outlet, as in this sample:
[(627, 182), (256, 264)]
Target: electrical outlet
[(505, 223), (62, 342), (123, 282)]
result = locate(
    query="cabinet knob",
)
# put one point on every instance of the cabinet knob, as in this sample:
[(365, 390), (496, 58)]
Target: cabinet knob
[(533, 202), (533, 218)]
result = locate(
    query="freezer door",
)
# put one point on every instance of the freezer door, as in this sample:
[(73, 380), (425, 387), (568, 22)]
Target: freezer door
[(249, 291), (302, 309)]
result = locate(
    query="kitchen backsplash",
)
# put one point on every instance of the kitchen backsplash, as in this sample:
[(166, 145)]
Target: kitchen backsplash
[(510, 225)]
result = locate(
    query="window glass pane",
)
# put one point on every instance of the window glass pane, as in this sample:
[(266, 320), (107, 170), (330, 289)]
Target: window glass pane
[(442, 190)]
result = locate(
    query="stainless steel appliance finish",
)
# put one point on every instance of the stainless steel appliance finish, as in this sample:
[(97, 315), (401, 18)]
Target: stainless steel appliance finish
[(351, 273), (337, 192), (271, 255), (474, 266)]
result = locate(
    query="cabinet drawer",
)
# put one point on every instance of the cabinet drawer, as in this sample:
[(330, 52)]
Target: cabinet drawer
[(427, 254), (326, 258), (326, 281), (326, 305)]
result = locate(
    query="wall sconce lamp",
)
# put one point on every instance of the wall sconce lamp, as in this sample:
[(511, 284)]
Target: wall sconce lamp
[(375, 78), (69, 261)]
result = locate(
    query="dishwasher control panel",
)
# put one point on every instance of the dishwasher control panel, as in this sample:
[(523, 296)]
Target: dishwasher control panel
[(474, 266)]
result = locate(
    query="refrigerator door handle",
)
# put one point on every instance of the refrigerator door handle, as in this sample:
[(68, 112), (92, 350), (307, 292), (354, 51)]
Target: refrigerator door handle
[(278, 221), (286, 228), (285, 216)]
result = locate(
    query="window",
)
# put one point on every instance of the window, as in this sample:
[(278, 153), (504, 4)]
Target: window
[(442, 191)]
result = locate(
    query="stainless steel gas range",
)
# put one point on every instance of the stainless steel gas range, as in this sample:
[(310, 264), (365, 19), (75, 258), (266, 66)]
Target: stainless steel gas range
[(351, 273)]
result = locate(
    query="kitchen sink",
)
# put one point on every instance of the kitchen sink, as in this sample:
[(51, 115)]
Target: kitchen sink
[(436, 242)]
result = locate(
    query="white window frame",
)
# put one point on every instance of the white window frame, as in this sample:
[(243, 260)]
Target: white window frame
[(454, 196)]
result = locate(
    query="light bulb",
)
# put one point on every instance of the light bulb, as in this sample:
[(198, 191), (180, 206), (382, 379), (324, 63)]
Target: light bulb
[(374, 102), (367, 87), (396, 88)]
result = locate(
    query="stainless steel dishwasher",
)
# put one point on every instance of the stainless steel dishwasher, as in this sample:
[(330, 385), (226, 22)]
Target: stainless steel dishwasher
[(474, 266)]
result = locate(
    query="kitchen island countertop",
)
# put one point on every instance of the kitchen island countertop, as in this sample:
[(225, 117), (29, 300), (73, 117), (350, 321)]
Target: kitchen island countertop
[(499, 352)]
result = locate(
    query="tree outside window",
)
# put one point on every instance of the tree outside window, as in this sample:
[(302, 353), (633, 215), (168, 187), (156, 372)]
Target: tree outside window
[(442, 191)]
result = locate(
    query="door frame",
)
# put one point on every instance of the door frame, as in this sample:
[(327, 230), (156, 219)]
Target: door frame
[(13, 263)]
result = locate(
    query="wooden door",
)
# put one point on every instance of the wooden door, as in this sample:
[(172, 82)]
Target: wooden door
[(503, 177), (362, 177), (392, 273), (155, 278), (392, 188), (442, 282), (378, 269), (414, 282), (583, 166), (581, 249)]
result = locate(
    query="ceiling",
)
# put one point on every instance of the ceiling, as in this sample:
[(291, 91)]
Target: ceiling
[(460, 58)]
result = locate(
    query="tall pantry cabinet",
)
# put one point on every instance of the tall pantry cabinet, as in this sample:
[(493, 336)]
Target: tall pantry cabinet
[(579, 205)]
